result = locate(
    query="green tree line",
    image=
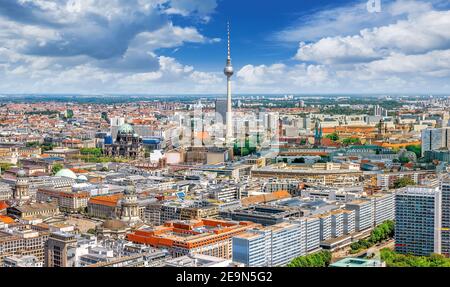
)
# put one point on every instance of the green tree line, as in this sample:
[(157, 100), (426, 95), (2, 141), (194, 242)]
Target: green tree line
[(394, 259), (379, 234), (319, 259)]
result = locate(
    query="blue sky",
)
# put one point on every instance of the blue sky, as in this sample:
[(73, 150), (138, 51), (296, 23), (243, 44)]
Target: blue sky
[(178, 46)]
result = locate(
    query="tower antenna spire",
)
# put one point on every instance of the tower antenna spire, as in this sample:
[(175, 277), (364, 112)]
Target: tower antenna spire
[(228, 33)]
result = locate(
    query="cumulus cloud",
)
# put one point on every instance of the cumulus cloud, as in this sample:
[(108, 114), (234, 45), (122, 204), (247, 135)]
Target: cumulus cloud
[(283, 78), (349, 20), (422, 33), (52, 41), (410, 52), (201, 8)]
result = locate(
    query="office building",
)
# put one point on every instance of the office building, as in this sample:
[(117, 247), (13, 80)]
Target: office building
[(435, 139), (208, 237), (56, 249), (418, 216), (23, 242), (445, 229), (68, 201)]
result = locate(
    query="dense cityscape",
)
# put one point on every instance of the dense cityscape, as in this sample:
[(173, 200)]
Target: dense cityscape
[(215, 180)]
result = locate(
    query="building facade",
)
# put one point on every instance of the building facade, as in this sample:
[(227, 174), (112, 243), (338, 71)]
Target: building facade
[(418, 220)]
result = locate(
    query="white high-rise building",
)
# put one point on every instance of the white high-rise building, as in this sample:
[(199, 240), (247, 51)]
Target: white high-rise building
[(418, 215)]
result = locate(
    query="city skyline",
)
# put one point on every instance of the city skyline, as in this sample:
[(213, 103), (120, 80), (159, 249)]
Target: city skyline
[(176, 47)]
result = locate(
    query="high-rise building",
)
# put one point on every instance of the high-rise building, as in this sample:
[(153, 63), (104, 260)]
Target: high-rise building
[(418, 220), (380, 111), (228, 71), (221, 110), (364, 216), (435, 139), (383, 207), (445, 228), (56, 249)]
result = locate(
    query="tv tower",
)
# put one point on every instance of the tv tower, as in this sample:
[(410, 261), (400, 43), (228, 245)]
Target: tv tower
[(228, 71)]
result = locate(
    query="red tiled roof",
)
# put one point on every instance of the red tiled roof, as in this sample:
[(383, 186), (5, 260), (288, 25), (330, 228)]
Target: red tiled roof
[(3, 205)]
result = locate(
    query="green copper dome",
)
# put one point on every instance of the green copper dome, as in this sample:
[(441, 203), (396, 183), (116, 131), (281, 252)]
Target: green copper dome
[(126, 129)]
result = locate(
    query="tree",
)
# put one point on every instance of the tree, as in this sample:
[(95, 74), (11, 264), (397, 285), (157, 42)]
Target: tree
[(403, 182), (350, 141), (47, 146), (394, 259), (380, 233), (319, 259), (417, 149), (56, 168), (69, 114), (32, 144), (334, 137), (404, 160)]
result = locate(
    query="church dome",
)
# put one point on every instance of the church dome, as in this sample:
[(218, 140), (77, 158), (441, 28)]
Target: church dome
[(66, 173), (126, 129)]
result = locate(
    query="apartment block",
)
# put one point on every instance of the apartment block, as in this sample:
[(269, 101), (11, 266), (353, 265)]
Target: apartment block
[(364, 217), (445, 229), (276, 245), (418, 217)]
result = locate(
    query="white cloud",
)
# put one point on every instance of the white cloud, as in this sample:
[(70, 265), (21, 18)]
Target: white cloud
[(70, 45), (282, 78), (349, 20), (419, 34)]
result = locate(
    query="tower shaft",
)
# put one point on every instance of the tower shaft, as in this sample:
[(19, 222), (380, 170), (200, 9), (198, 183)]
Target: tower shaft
[(229, 110), (228, 71)]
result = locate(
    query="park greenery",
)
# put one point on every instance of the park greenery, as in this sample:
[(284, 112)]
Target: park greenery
[(95, 155), (417, 149), (91, 151), (379, 234), (318, 259), (394, 259), (404, 182)]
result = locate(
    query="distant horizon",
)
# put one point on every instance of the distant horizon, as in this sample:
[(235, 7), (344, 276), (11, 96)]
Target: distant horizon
[(400, 94)]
